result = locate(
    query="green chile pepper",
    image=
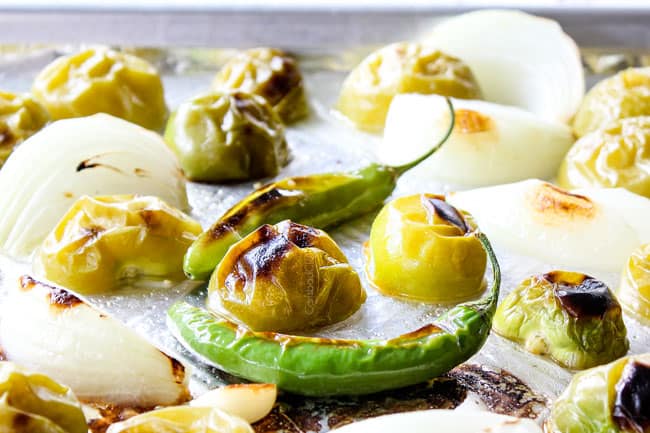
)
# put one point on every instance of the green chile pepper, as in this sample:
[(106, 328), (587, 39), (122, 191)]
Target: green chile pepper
[(319, 200), (319, 367)]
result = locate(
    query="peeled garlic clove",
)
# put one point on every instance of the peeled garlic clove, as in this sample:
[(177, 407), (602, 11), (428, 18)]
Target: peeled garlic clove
[(443, 421), (50, 330), (251, 402), (592, 228), (518, 59), (490, 143)]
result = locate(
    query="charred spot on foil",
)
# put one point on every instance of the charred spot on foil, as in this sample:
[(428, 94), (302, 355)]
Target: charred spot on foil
[(110, 414), (445, 211), (500, 391), (632, 406), (587, 298)]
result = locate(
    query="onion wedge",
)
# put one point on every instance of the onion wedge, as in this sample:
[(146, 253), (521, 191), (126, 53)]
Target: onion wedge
[(591, 228), (95, 155), (518, 59), (49, 330), (250, 402), (490, 143), (443, 421)]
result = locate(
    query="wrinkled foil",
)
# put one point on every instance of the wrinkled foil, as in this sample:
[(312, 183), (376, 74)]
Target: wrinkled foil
[(322, 143)]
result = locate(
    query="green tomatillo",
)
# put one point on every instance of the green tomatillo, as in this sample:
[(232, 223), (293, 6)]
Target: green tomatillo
[(283, 278), (611, 398), (227, 136), (572, 317), (422, 248), (34, 403)]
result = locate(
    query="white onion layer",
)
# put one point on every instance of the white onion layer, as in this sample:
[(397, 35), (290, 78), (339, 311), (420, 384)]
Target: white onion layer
[(442, 421), (518, 59), (590, 228), (50, 331), (95, 155), (490, 143)]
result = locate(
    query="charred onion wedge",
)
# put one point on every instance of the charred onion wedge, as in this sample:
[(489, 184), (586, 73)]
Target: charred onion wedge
[(48, 329)]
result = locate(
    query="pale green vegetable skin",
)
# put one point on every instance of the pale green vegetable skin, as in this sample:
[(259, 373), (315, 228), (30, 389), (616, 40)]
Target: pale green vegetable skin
[(586, 405), (183, 419), (533, 316), (34, 403)]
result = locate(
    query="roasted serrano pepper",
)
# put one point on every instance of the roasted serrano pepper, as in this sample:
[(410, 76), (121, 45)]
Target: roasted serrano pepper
[(320, 366), (319, 200)]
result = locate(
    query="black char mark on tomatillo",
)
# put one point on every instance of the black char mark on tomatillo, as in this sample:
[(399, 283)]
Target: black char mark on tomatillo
[(632, 407), (446, 211), (587, 298)]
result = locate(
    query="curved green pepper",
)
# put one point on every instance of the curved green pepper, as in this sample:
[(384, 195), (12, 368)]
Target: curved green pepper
[(319, 200), (318, 366)]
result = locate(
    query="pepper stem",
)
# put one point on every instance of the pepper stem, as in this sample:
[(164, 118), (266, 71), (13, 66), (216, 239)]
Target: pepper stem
[(401, 169)]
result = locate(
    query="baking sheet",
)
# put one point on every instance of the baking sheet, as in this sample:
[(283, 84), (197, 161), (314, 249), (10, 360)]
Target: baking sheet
[(322, 143)]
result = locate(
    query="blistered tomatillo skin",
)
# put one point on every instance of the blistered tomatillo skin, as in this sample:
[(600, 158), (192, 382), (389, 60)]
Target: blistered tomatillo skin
[(634, 290), (404, 67), (20, 117), (422, 248), (573, 318), (270, 73), (104, 242), (626, 94), (618, 155), (283, 278), (226, 137), (184, 419), (613, 398), (34, 403), (101, 80)]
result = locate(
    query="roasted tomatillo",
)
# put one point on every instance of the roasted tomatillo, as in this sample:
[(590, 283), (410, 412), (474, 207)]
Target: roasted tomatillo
[(422, 248), (34, 403), (104, 242), (615, 156), (318, 200), (626, 94), (572, 317), (227, 136), (612, 398), (403, 67), (634, 289), (270, 73), (182, 419), (101, 80), (283, 278), (20, 117), (320, 366)]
